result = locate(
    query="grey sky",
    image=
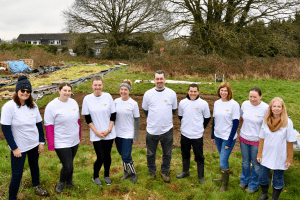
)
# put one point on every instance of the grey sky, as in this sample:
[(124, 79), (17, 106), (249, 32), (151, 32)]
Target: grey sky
[(31, 16)]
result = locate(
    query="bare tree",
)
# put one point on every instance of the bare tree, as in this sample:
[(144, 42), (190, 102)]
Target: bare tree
[(116, 20), (205, 17)]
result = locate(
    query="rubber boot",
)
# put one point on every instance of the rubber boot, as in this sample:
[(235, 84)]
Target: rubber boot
[(186, 169), (264, 192), (200, 169), (133, 172), (225, 179), (276, 193), (126, 174)]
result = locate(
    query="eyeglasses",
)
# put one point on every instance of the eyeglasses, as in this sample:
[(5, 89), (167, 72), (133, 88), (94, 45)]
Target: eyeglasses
[(27, 91)]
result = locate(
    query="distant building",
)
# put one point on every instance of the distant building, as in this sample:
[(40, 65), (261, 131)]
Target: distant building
[(61, 40)]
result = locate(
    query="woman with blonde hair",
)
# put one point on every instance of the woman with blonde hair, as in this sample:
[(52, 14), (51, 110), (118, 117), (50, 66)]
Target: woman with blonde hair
[(275, 150), (126, 128), (226, 115)]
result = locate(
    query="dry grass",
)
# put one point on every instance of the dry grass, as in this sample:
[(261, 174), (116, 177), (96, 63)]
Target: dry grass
[(201, 66)]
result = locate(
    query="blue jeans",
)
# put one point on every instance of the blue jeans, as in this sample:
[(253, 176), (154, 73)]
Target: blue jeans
[(278, 182), (249, 177), (17, 166), (124, 147), (166, 141), (224, 153)]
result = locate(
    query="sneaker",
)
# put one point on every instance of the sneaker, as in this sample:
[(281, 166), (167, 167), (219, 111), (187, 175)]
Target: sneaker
[(152, 176), (249, 191), (242, 185), (107, 180), (165, 177), (97, 181), (60, 187), (39, 191)]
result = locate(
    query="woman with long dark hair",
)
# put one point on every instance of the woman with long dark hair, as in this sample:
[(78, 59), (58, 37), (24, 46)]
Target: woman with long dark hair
[(23, 130), (252, 112), (63, 131)]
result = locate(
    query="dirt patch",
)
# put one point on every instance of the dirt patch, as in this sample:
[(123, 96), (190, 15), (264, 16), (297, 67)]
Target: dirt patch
[(4, 72), (86, 71), (208, 146)]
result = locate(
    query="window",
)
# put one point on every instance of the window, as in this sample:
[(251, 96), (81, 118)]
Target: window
[(54, 42), (35, 42), (51, 42), (57, 42)]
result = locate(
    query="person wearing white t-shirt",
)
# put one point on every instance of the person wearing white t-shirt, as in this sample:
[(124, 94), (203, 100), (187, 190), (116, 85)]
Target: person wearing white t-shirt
[(275, 150), (100, 114), (63, 132), (194, 115), (126, 128), (252, 113), (23, 130), (226, 115), (159, 105)]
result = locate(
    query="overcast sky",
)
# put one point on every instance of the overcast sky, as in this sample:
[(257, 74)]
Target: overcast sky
[(31, 16)]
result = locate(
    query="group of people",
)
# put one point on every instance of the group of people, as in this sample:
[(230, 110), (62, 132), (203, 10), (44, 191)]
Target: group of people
[(266, 136)]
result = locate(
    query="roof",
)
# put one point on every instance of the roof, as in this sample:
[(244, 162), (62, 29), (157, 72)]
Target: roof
[(44, 36)]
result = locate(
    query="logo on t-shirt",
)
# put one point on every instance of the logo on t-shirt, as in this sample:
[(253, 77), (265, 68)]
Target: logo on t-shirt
[(127, 109), (104, 105), (73, 109), (164, 101), (225, 110), (258, 116), (197, 109), (31, 115)]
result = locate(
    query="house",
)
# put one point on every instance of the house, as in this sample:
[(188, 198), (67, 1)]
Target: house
[(61, 40)]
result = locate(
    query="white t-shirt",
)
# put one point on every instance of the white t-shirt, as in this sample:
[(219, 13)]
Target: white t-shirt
[(253, 117), (100, 108), (64, 116), (23, 124), (274, 153), (159, 105), (224, 113), (193, 113), (126, 112)]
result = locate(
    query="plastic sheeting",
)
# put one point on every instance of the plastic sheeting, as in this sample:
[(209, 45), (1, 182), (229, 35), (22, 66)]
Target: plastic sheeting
[(17, 66), (38, 93)]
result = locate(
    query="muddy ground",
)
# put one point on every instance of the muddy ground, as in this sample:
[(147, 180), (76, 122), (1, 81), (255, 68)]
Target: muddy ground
[(85, 139)]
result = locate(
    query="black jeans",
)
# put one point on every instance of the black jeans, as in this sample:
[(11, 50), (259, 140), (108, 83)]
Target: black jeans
[(166, 141), (103, 150), (17, 166), (197, 144), (66, 156)]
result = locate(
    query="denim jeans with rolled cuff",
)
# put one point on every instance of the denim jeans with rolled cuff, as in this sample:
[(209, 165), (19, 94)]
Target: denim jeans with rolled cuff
[(278, 182)]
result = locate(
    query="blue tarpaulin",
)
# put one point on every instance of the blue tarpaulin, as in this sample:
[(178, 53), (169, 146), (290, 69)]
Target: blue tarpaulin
[(17, 66)]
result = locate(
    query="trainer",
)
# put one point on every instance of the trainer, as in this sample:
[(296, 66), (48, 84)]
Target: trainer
[(159, 104), (194, 115)]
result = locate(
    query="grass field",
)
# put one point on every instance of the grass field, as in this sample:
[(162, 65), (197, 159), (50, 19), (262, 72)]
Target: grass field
[(146, 189)]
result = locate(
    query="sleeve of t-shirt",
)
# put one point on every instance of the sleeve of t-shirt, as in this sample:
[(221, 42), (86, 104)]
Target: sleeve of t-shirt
[(214, 109), (145, 102), (262, 132), (235, 111), (242, 108), (112, 105), (174, 105), (38, 114), (7, 113), (136, 110), (290, 132), (85, 108), (180, 110), (206, 112), (48, 115)]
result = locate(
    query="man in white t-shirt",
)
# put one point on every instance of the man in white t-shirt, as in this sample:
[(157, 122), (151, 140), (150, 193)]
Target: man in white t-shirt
[(194, 116), (159, 105)]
